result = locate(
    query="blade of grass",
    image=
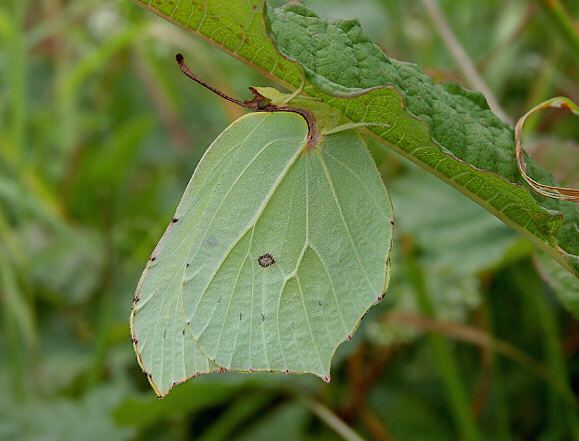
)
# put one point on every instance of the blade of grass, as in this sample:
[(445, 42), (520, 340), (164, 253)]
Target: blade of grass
[(561, 413), (238, 412), (73, 78), (500, 401), (498, 397), (477, 337), (19, 327), (16, 83), (445, 362), (563, 25), (542, 87), (160, 97)]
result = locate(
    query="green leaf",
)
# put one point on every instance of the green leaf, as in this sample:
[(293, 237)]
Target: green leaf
[(87, 418), (145, 410), (288, 421), (455, 239), (454, 235), (565, 286), (446, 125), (445, 129), (276, 251)]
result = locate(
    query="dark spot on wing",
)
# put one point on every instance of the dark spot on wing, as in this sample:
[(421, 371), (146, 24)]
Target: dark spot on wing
[(212, 241), (174, 220), (153, 259), (262, 318), (240, 316), (266, 260)]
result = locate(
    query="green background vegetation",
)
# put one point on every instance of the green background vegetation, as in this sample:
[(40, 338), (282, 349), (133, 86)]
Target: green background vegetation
[(99, 134)]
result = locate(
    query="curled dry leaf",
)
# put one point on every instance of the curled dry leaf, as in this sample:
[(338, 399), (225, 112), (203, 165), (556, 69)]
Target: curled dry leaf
[(561, 193)]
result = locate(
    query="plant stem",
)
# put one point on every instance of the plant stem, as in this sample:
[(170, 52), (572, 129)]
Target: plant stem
[(332, 420), (461, 57)]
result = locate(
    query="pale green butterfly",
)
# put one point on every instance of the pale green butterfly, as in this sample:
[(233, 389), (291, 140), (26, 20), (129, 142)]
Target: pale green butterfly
[(279, 246)]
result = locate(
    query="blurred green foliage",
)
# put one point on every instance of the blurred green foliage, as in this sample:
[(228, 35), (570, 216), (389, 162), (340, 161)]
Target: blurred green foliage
[(99, 134)]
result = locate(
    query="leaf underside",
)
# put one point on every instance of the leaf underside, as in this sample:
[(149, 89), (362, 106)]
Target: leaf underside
[(446, 129), (275, 253)]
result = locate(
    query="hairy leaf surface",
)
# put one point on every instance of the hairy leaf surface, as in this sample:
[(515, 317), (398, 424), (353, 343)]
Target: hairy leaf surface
[(273, 256), (445, 129)]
